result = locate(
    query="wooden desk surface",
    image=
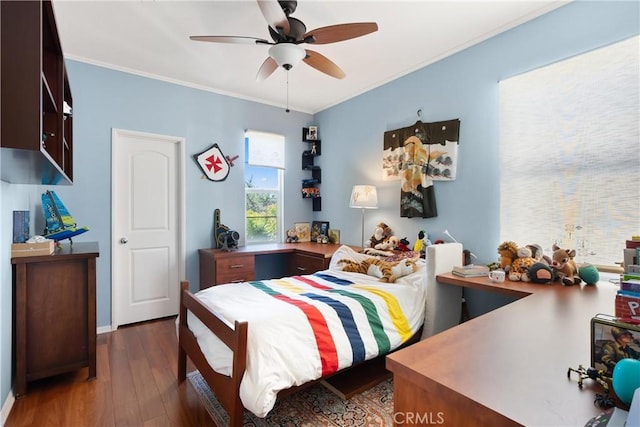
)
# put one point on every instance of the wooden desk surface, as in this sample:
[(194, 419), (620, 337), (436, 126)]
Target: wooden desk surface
[(312, 248), (509, 366)]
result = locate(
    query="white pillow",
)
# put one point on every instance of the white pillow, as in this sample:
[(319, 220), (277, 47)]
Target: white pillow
[(345, 252)]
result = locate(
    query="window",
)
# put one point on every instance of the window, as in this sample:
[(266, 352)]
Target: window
[(263, 186), (569, 154)]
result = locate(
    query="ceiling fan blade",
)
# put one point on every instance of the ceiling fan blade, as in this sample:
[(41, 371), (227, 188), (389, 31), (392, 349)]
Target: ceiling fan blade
[(323, 64), (340, 32), (266, 69), (274, 15), (229, 39)]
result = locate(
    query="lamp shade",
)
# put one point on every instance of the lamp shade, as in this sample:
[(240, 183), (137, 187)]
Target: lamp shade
[(287, 54), (364, 197)]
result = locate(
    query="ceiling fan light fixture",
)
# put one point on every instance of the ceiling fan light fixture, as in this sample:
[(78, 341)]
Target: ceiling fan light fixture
[(287, 55)]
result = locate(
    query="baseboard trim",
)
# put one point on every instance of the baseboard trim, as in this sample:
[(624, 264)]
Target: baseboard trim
[(6, 408), (104, 329)]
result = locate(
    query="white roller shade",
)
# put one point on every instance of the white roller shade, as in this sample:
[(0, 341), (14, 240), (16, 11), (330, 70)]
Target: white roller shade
[(569, 158), (265, 149)]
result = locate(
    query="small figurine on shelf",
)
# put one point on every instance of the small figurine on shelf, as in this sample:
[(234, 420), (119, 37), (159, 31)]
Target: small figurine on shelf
[(313, 148), (292, 236)]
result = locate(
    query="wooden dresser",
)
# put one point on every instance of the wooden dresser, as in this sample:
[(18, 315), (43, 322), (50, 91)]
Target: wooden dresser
[(55, 313), (218, 267)]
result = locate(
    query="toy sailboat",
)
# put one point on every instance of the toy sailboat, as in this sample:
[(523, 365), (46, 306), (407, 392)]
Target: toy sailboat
[(60, 225)]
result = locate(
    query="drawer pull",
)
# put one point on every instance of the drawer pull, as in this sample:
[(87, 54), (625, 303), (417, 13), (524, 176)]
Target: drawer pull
[(301, 268), (236, 266), (237, 281)]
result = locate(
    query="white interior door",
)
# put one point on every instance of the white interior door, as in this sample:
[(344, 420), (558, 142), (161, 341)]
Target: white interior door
[(147, 230)]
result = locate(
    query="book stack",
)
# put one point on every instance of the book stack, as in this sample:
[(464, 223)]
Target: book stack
[(632, 252), (628, 297), (470, 270)]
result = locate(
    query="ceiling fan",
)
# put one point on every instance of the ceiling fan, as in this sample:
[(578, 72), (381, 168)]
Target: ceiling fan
[(288, 33)]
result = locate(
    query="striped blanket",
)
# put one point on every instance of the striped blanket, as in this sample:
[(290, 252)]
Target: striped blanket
[(302, 328)]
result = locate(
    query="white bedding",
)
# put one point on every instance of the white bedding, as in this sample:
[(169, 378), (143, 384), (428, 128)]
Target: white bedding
[(283, 348)]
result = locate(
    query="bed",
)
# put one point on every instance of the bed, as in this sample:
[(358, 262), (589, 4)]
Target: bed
[(255, 341)]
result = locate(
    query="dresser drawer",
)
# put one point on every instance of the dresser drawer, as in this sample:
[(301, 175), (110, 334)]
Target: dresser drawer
[(301, 264), (235, 269)]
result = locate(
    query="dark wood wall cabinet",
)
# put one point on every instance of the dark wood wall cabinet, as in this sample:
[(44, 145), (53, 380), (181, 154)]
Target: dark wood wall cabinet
[(36, 135), (54, 324)]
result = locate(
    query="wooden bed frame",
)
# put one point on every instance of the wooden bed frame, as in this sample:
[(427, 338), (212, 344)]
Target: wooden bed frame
[(440, 259), (227, 389)]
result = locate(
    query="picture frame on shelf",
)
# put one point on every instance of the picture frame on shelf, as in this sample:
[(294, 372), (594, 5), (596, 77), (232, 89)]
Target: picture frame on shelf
[(319, 228), (303, 231), (612, 340), (334, 236), (312, 133)]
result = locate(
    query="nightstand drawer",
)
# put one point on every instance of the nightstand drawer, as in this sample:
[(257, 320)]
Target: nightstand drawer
[(235, 269)]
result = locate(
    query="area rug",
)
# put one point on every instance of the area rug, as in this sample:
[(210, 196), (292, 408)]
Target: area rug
[(313, 406)]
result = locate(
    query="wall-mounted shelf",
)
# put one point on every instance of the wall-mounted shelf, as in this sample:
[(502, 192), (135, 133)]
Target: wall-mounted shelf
[(310, 189), (36, 135)]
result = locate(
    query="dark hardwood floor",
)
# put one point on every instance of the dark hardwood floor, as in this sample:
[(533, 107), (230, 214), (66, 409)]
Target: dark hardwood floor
[(136, 385)]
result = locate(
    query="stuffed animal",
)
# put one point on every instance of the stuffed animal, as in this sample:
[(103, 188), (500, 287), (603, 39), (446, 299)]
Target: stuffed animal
[(540, 273), (388, 244), (564, 266), (387, 272), (508, 251), (403, 245), (520, 265), (589, 273), (292, 236), (538, 254), (417, 246), (381, 232)]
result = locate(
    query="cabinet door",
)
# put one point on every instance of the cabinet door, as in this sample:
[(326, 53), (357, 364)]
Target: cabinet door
[(300, 264), (57, 317)]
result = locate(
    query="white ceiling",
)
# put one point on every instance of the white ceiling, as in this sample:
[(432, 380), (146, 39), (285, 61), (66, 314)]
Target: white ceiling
[(151, 38)]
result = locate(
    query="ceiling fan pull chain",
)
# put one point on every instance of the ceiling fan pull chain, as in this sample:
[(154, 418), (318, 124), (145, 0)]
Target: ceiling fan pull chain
[(287, 110)]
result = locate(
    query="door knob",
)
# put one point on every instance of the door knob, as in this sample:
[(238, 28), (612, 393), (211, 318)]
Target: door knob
[(124, 240)]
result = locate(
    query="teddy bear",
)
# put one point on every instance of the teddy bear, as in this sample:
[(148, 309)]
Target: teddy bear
[(518, 270), (564, 267), (381, 232), (292, 236)]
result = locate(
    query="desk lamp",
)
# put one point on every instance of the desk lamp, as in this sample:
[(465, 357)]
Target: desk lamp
[(363, 197)]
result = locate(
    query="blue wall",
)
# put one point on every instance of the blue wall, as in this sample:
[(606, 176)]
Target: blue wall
[(463, 86)]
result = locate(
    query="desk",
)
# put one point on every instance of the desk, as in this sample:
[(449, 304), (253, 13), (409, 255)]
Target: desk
[(507, 367), (218, 266)]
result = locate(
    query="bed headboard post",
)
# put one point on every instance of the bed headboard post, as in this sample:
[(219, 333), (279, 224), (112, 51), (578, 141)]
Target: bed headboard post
[(444, 302)]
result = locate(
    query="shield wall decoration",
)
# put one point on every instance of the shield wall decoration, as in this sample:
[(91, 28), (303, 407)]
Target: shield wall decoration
[(213, 163)]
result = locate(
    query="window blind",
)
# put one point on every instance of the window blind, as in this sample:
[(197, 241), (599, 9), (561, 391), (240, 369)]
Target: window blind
[(570, 154), (265, 149)]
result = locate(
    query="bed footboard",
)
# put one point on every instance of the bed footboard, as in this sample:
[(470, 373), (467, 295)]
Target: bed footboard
[(225, 388)]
